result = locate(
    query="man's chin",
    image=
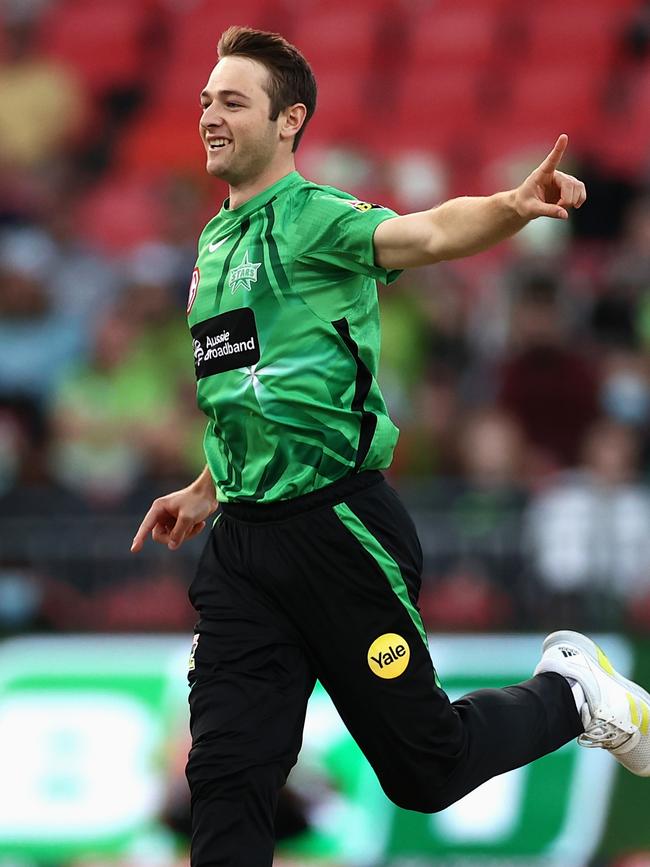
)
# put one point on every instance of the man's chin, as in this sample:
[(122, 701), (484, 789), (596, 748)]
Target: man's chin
[(217, 166), (216, 171)]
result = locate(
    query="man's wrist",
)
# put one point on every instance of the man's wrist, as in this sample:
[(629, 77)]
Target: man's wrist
[(204, 484), (515, 203), (510, 202)]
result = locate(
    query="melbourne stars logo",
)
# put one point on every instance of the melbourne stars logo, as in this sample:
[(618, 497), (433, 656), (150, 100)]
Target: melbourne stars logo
[(243, 275)]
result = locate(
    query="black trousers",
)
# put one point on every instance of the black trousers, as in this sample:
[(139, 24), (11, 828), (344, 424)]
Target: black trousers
[(326, 586)]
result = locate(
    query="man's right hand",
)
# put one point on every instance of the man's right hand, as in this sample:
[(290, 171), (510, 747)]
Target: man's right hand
[(176, 517)]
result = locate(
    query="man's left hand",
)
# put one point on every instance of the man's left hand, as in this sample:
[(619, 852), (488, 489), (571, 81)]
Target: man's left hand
[(547, 192)]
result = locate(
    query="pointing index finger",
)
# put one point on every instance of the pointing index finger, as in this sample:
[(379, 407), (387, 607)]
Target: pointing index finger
[(553, 159), (148, 523)]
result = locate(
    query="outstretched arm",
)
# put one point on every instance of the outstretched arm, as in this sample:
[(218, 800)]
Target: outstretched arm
[(464, 226)]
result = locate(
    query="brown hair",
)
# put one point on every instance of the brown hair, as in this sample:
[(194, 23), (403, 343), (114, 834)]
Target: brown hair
[(290, 77)]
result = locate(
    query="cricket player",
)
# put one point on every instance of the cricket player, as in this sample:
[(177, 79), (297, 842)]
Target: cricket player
[(312, 568)]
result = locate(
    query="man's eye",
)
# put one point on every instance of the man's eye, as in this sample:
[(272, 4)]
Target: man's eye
[(233, 105)]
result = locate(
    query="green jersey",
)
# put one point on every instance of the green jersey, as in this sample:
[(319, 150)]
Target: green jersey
[(284, 319)]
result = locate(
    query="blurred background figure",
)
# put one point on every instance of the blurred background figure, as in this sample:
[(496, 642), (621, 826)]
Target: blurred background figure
[(545, 378), (588, 532), (42, 103), (37, 340), (475, 583), (108, 413)]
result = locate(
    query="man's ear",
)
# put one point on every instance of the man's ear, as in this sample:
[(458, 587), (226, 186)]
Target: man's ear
[(292, 119)]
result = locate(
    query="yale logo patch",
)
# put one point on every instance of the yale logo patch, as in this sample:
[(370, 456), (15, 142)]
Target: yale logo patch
[(388, 655)]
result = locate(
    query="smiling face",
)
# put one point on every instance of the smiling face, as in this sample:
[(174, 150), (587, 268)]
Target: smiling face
[(240, 139)]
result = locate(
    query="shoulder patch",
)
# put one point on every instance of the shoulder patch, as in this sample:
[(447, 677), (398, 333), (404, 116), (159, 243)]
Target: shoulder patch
[(362, 206), (194, 287)]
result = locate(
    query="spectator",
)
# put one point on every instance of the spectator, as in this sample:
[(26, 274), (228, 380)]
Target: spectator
[(27, 489), (151, 296), (26, 495), (629, 268), (625, 387), (402, 362), (548, 387), (110, 415), (636, 36), (428, 428), (479, 564), (22, 440), (613, 319), (37, 341), (84, 283), (41, 103), (588, 533)]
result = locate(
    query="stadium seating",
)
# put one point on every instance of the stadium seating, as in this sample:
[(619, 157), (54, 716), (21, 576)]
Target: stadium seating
[(473, 81), (196, 27), (624, 134), (163, 138), (564, 34), (431, 108), (339, 40), (452, 36), (553, 97), (120, 213), (106, 43), (343, 110)]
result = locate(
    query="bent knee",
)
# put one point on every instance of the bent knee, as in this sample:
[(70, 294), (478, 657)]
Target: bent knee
[(420, 798)]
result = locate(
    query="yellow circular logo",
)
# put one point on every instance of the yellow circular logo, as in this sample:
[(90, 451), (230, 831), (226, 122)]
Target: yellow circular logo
[(388, 655)]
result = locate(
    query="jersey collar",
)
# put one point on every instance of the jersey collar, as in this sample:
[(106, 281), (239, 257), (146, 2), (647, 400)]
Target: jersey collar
[(260, 199)]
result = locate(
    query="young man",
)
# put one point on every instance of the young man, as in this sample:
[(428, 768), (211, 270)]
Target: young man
[(312, 568)]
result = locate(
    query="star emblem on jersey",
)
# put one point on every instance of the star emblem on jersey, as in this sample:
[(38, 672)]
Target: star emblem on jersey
[(243, 275)]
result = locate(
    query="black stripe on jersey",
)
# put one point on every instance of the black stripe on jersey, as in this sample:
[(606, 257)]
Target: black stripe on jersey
[(361, 390), (226, 265), (276, 264)]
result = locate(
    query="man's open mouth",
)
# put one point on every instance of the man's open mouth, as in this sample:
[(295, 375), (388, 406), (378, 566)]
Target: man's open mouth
[(218, 143)]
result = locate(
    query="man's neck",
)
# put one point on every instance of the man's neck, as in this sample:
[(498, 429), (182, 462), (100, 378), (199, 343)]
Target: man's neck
[(240, 194)]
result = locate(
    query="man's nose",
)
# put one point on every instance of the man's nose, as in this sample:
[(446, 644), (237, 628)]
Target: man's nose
[(211, 117)]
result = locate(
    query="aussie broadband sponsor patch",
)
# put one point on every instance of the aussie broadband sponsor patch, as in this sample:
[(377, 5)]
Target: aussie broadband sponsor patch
[(225, 342)]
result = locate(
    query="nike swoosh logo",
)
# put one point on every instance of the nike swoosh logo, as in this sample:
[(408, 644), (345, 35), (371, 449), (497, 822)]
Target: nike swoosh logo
[(217, 244)]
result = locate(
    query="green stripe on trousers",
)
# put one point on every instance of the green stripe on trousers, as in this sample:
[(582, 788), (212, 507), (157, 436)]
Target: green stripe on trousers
[(385, 562)]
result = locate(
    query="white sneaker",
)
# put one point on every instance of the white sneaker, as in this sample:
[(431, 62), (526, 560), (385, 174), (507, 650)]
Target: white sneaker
[(616, 714)]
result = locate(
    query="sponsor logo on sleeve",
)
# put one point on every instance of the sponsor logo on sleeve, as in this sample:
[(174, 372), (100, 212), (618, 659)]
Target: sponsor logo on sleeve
[(389, 655), (194, 288), (363, 206), (225, 342)]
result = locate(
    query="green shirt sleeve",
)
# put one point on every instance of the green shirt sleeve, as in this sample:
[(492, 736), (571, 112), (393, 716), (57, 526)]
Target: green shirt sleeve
[(337, 230)]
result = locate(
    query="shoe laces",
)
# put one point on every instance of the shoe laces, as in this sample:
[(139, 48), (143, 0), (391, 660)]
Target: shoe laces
[(603, 733)]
